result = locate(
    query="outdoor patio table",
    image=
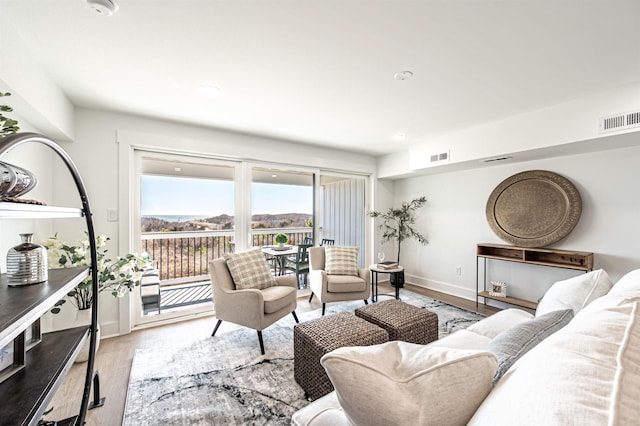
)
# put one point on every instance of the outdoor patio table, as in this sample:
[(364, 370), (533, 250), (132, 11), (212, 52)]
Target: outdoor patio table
[(280, 255)]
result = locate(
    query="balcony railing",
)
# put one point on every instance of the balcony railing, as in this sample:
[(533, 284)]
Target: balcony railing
[(184, 256)]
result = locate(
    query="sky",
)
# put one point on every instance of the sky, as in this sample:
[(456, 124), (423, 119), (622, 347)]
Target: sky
[(164, 195)]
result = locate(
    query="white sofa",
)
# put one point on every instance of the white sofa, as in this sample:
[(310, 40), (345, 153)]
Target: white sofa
[(586, 372)]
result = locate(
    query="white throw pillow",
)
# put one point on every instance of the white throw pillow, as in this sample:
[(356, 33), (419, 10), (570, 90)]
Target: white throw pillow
[(575, 293), (628, 285), (407, 384), (249, 269), (341, 260)]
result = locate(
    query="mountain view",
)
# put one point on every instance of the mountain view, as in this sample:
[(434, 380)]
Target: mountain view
[(258, 221)]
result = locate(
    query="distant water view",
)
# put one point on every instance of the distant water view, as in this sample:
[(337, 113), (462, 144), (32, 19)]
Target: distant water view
[(176, 217), (181, 223)]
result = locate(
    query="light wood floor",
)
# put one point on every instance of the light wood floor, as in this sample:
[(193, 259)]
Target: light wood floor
[(115, 355)]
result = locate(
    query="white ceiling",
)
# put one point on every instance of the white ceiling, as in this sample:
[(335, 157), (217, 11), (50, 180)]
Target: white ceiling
[(322, 71)]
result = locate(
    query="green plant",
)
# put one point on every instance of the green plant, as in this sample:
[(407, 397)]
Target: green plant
[(119, 276), (7, 125), (282, 239), (398, 222)]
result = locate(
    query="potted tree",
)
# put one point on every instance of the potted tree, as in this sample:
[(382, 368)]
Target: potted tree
[(398, 224)]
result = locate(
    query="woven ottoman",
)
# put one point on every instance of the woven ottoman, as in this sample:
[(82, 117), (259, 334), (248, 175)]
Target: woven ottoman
[(313, 339), (402, 321)]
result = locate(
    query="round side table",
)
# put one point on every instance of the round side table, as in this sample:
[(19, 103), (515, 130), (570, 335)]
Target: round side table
[(375, 270)]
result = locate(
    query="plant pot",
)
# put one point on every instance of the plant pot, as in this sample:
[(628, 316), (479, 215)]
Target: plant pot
[(397, 279), (83, 318)]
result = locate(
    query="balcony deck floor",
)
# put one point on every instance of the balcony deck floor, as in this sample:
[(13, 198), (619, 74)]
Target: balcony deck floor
[(185, 295), (176, 296)]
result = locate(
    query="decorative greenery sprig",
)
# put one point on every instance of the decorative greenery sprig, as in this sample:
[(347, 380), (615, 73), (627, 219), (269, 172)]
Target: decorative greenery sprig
[(398, 223), (119, 276), (7, 125)]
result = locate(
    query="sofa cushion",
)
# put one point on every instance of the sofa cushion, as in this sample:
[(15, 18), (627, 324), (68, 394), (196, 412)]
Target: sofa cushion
[(462, 339), (323, 411), (491, 326), (249, 269), (514, 342), (341, 260), (405, 383), (586, 373), (575, 293)]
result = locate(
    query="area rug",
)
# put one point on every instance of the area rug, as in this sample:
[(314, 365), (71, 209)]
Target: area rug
[(223, 380)]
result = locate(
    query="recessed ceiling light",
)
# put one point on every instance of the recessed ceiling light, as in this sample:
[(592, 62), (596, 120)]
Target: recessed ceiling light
[(177, 169), (209, 89), (403, 75), (274, 176), (399, 136)]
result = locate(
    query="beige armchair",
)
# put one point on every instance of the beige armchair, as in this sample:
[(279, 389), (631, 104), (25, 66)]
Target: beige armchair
[(335, 288), (252, 308)]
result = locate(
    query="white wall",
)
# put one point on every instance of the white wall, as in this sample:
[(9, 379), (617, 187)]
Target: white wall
[(562, 128), (33, 94), (37, 159), (99, 137), (454, 222)]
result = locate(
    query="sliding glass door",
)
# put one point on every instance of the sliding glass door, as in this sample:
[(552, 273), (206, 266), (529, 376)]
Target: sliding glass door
[(193, 209), (187, 218), (281, 202)]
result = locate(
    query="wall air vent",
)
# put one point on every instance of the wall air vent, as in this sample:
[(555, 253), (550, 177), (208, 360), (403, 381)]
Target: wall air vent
[(617, 122), (438, 158), (491, 160)]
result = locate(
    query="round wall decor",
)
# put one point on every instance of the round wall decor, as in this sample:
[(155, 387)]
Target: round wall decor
[(534, 208)]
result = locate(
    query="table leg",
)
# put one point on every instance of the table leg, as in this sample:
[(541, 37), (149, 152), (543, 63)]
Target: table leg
[(374, 286)]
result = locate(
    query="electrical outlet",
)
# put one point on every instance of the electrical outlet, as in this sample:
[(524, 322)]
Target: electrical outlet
[(458, 271), (112, 215)]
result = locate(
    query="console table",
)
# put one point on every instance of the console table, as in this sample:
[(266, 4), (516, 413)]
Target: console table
[(578, 260)]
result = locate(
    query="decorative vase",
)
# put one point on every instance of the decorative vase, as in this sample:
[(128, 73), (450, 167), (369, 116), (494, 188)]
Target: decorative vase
[(26, 263), (83, 318), (15, 181)]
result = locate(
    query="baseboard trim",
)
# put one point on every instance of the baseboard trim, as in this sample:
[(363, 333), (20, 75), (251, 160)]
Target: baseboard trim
[(443, 287)]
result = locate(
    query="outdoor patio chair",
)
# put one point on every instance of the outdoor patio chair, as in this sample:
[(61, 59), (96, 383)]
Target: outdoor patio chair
[(299, 264), (327, 242), (335, 288), (256, 308), (150, 291), (308, 241)]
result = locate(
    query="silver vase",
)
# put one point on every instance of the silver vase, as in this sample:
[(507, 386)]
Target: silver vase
[(26, 263)]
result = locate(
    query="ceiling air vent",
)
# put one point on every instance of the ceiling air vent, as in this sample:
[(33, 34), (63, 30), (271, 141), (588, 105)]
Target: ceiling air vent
[(437, 158), (491, 160), (619, 122)]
